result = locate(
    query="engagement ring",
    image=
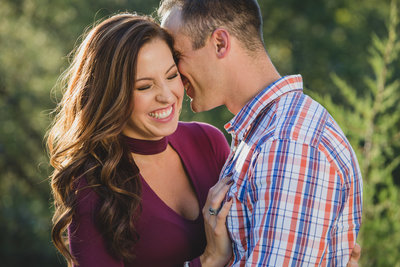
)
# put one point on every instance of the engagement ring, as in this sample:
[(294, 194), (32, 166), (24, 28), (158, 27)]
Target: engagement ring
[(213, 211)]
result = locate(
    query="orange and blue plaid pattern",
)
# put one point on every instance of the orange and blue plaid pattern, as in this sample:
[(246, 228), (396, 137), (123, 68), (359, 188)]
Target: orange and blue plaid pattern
[(297, 195)]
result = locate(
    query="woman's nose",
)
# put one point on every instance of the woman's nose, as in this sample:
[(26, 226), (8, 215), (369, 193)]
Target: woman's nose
[(165, 94)]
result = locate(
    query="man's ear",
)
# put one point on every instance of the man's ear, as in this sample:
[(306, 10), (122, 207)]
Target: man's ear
[(222, 42)]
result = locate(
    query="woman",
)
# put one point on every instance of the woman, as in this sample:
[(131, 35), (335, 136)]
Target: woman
[(129, 180)]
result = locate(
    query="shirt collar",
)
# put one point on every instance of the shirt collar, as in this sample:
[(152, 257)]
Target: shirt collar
[(239, 124)]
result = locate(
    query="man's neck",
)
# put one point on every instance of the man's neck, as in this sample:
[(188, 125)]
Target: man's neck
[(251, 76)]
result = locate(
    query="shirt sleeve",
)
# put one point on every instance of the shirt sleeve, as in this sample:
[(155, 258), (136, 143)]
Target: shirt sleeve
[(86, 242), (302, 208)]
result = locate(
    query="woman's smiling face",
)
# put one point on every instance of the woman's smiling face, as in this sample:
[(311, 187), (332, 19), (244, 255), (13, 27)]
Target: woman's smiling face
[(157, 95)]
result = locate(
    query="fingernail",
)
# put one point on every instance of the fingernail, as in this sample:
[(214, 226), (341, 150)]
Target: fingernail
[(229, 182), (229, 199)]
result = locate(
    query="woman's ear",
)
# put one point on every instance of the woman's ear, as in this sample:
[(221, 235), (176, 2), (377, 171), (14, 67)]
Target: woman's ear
[(222, 42)]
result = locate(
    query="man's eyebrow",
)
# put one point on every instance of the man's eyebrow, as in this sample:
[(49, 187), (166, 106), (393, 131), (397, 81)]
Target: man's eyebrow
[(147, 78), (177, 53)]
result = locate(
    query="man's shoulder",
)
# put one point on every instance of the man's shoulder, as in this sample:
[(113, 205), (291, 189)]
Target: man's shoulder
[(295, 117), (299, 120)]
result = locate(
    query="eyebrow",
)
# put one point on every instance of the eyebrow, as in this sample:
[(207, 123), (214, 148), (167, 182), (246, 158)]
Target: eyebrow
[(146, 78)]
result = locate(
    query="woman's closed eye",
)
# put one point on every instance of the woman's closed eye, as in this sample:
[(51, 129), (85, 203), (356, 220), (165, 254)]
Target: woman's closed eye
[(173, 76), (144, 87)]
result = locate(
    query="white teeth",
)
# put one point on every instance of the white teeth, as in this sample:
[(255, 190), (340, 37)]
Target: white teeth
[(162, 114)]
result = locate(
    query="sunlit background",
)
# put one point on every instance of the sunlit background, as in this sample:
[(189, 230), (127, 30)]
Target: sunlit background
[(346, 50)]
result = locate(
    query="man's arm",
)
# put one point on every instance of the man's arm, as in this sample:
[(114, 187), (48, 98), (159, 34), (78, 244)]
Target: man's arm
[(297, 198), (355, 256)]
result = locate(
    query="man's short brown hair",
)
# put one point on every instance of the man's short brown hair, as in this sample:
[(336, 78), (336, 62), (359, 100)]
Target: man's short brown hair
[(242, 18)]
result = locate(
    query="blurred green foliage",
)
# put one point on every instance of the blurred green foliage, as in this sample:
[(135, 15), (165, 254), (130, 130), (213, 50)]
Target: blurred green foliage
[(371, 122), (347, 52)]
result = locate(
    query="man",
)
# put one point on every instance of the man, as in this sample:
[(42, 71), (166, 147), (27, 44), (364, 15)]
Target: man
[(297, 191)]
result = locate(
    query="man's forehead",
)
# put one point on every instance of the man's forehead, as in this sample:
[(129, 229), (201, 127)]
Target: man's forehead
[(172, 20), (172, 23)]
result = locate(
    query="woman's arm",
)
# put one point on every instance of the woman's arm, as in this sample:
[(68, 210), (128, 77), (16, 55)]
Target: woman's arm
[(85, 241)]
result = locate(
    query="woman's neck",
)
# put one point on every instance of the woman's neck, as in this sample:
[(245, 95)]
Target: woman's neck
[(146, 147)]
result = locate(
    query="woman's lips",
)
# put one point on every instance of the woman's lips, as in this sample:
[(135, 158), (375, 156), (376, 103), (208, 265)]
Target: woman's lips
[(164, 114)]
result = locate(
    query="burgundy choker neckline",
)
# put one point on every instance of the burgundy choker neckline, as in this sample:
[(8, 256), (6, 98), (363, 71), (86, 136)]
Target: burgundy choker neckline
[(146, 147)]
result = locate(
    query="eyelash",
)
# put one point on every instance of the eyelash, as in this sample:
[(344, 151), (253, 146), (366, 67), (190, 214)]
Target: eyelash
[(143, 88), (173, 76)]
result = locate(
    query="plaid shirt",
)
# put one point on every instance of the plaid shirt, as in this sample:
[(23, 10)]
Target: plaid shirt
[(297, 195)]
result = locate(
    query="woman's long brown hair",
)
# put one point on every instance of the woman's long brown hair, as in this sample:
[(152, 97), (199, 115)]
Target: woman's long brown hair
[(85, 137)]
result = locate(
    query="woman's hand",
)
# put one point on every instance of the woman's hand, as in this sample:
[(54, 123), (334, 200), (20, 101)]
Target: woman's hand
[(219, 247)]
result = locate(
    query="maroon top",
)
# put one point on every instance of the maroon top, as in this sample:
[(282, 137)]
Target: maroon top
[(166, 238)]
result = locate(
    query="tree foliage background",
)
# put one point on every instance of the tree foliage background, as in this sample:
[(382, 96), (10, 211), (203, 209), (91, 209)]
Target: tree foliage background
[(347, 52)]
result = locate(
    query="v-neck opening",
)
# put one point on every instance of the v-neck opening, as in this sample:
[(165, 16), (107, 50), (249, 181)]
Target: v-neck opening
[(192, 183)]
